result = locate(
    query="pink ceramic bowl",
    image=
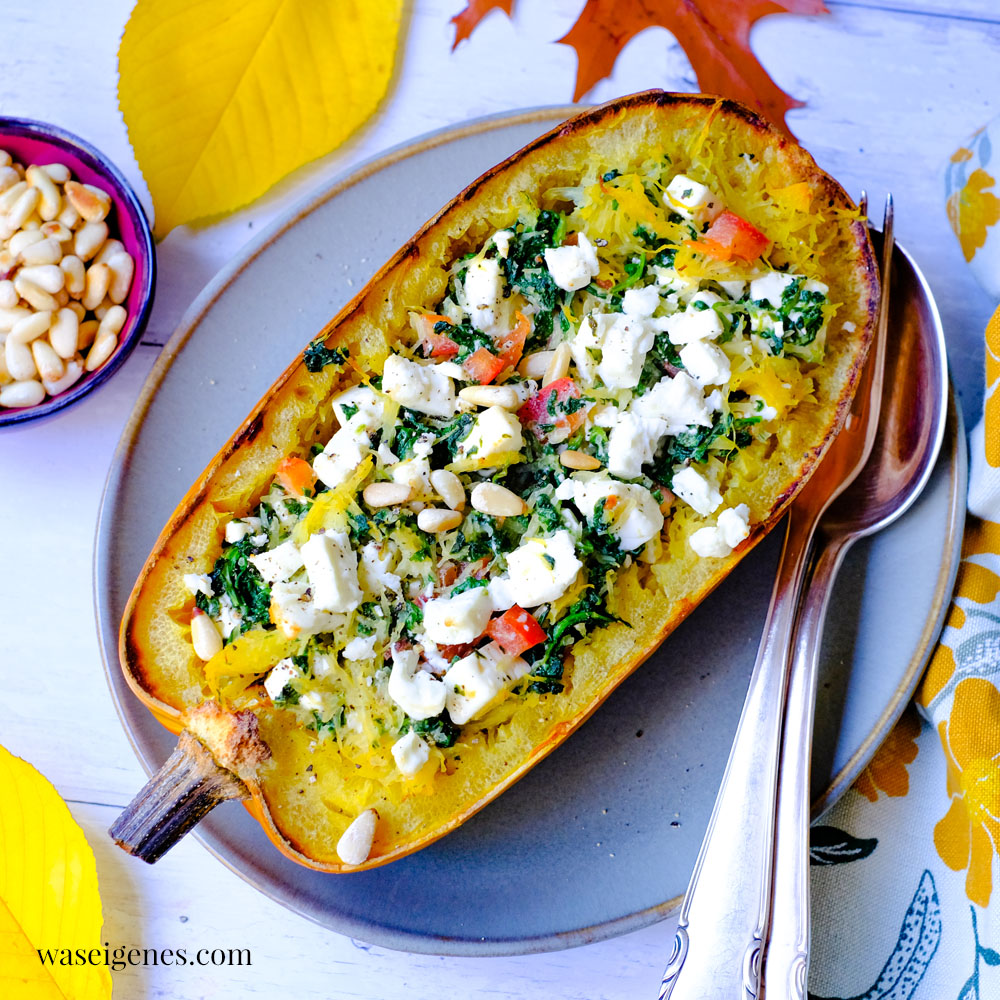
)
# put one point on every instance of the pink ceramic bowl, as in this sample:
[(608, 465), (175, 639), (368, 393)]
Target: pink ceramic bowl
[(36, 142)]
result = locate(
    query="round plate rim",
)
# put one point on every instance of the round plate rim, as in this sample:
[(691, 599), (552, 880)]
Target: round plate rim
[(395, 938)]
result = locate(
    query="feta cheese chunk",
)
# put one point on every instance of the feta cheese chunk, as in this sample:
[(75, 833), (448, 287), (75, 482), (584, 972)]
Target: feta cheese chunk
[(734, 289), (679, 401), (696, 491), (410, 753), (731, 527), (366, 406), (415, 473), (706, 363), (343, 453), (415, 691), (361, 647), (472, 685), (635, 517), (692, 324), (771, 287), (484, 287), (281, 673), (237, 530), (375, 568), (539, 570), (641, 303), (332, 567), (278, 563), (573, 267), (419, 387), (692, 200), (293, 611), (633, 442), (198, 583), (501, 240), (462, 618), (626, 343), (495, 432)]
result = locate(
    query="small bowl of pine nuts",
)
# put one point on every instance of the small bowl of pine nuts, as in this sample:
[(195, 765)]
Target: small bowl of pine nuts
[(77, 269)]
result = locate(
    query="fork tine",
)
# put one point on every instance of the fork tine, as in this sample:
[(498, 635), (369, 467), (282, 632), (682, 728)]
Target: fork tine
[(863, 205)]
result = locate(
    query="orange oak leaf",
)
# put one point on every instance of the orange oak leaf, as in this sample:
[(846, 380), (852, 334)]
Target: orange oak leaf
[(467, 20), (715, 34)]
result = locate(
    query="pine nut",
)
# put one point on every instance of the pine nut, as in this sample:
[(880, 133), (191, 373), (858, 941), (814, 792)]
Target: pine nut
[(122, 269), (89, 239), (109, 250), (62, 297), (50, 366), (102, 310), (33, 325), (8, 264), (559, 365), (5, 158), (8, 294), (11, 195), (572, 459), (205, 635), (44, 251), (449, 488), (36, 297), (435, 519), (59, 172), (8, 177), (50, 200), (56, 231), (535, 365), (113, 321), (64, 333), (74, 369), (23, 239), (26, 203), (496, 500), (103, 348), (69, 216), (4, 374), (87, 333), (356, 841), (48, 277), (98, 279), (76, 274), (8, 317), (382, 494), (20, 363), (92, 203), (78, 309), (22, 393), (491, 395)]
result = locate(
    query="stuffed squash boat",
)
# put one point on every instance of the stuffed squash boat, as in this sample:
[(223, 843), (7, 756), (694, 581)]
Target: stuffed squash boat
[(543, 432)]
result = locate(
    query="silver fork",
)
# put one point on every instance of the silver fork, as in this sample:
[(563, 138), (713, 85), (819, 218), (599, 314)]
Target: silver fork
[(726, 911)]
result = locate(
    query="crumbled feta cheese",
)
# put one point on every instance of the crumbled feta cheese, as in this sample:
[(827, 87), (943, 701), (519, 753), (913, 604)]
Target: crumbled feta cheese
[(375, 567), (318, 702), (366, 405), (731, 527), (679, 401), (484, 288), (295, 614), (410, 753), (332, 567), (632, 443), (229, 618), (415, 473), (419, 387), (343, 453), (706, 363), (573, 267), (692, 324), (501, 240), (361, 647), (415, 691), (623, 352), (734, 289), (237, 530), (281, 673), (635, 517), (472, 685), (692, 200), (641, 303), (696, 491), (588, 341), (538, 571), (462, 618), (812, 285), (278, 563), (198, 583), (770, 287), (495, 432), (564, 491), (668, 278), (386, 455), (512, 668)]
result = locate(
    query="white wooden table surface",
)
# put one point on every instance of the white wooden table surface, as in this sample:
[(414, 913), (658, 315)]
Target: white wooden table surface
[(893, 88)]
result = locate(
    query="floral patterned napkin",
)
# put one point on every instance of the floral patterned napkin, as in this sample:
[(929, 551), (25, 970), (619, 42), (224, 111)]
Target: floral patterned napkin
[(905, 866)]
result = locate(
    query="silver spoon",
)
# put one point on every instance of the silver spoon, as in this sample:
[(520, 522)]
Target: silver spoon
[(910, 432)]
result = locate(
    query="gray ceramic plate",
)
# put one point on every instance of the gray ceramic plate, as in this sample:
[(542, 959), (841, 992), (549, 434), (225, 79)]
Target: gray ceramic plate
[(601, 837)]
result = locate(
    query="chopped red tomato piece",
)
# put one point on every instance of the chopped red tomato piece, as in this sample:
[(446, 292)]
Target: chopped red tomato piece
[(551, 413), (516, 630), (482, 366), (295, 475), (511, 346), (435, 345), (730, 236)]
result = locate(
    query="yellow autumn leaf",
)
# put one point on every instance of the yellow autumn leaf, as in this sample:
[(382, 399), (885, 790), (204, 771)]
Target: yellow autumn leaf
[(222, 100), (48, 892)]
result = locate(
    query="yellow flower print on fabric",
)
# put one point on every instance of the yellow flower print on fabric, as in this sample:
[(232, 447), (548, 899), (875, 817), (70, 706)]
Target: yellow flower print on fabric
[(991, 437), (887, 770), (972, 210), (969, 834)]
